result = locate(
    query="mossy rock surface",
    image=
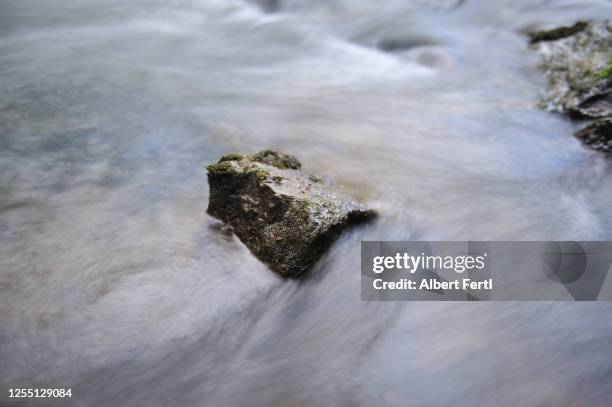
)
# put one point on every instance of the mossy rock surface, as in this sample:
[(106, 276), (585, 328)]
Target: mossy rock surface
[(284, 215), (578, 62)]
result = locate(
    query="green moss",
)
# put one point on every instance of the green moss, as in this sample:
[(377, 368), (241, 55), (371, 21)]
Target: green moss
[(220, 168), (604, 73), (297, 213), (281, 161), (228, 168), (293, 227), (261, 174), (232, 157)]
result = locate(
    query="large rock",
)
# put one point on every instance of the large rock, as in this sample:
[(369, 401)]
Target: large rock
[(285, 216), (578, 64)]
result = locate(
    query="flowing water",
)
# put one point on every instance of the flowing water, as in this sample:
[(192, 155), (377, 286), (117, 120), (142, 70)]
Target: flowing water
[(114, 282)]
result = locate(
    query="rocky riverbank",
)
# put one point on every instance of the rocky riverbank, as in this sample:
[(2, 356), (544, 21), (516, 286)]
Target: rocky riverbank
[(577, 61)]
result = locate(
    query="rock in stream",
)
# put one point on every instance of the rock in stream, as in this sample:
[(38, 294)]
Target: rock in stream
[(578, 63), (578, 69), (284, 215)]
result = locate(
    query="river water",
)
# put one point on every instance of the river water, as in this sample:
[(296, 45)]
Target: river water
[(114, 281)]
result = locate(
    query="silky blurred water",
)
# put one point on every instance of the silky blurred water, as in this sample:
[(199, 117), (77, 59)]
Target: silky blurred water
[(114, 282)]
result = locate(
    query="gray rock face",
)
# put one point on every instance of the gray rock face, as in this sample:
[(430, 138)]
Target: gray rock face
[(285, 216), (578, 63), (598, 135)]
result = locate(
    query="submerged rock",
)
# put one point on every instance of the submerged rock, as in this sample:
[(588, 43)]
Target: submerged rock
[(285, 216), (598, 135), (578, 61)]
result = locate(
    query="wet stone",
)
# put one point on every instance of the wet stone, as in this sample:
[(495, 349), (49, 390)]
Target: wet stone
[(285, 216), (578, 65), (597, 135)]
